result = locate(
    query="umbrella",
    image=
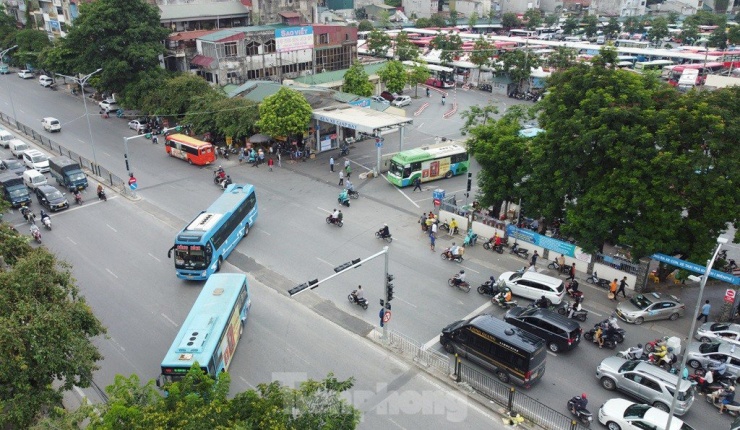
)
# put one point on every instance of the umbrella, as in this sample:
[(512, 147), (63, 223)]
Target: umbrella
[(259, 138)]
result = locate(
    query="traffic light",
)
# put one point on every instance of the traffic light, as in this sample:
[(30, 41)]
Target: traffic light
[(389, 288), (470, 181)]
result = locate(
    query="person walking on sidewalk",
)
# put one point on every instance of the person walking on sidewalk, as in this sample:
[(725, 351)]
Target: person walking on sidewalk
[(534, 258), (431, 241), (349, 170), (331, 164), (622, 286), (417, 182), (341, 178), (270, 163), (613, 290), (704, 311)]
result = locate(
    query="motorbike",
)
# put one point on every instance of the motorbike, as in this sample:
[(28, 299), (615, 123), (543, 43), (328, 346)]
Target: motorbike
[(503, 304), (717, 378), (78, 198), (609, 340), (119, 113), (583, 415), (594, 279), (703, 387), (447, 255), (633, 353), (352, 297), (470, 238), (518, 251), (554, 265), (226, 182), (337, 222), (36, 233), (102, 196), (716, 397), (353, 194), (444, 226), (572, 289), (579, 315), (217, 177), (387, 238), (223, 152), (46, 221), (492, 246), (460, 285), (344, 150), (617, 333), (489, 288), (343, 199)]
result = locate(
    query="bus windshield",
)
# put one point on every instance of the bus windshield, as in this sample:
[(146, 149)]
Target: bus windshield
[(397, 169), (190, 257)]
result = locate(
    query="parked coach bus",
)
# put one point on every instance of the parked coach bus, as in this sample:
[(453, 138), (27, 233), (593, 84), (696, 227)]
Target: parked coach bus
[(428, 163), (211, 332), (203, 245), (193, 151)]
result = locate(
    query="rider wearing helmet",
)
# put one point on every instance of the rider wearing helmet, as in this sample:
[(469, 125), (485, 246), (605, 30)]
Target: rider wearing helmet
[(384, 232), (580, 402), (459, 278), (504, 296), (542, 303)]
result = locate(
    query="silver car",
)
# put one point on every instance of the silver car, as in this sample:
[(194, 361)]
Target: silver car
[(701, 354), (649, 307), (717, 331)]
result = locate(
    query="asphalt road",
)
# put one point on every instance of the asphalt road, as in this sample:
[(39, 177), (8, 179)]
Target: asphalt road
[(290, 244)]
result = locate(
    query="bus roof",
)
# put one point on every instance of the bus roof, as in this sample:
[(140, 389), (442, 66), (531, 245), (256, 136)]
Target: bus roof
[(226, 203), (696, 66), (426, 152), (201, 330), (186, 139)]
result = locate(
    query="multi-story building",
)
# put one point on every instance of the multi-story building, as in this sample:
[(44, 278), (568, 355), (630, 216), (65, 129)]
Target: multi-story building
[(514, 6), (621, 8), (179, 15), (275, 52)]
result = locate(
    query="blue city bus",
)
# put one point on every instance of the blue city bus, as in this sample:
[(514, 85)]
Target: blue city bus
[(203, 245), (211, 331)]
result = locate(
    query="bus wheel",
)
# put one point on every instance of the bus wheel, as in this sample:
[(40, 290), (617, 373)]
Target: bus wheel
[(190, 161), (218, 265), (502, 376), (448, 175), (246, 230)]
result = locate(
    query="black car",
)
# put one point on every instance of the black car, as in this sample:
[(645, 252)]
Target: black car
[(51, 198), (12, 165), (560, 333)]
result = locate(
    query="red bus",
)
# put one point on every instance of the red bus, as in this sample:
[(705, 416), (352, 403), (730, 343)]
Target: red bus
[(731, 59), (193, 151), (703, 68)]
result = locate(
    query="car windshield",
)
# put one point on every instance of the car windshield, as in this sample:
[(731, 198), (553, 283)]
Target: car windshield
[(705, 348), (77, 176), (19, 192), (640, 301), (38, 158), (54, 195), (12, 164), (516, 275), (629, 366), (636, 411)]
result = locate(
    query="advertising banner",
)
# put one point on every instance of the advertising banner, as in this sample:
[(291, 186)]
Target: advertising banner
[(547, 242), (293, 39)]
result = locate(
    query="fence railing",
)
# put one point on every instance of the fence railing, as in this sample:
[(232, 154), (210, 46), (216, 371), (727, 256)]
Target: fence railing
[(480, 382), (101, 173)]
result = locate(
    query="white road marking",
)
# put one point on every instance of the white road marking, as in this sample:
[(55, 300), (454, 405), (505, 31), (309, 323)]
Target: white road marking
[(112, 228), (117, 344), (247, 382), (407, 302), (477, 311), (552, 353), (169, 319), (402, 193), (70, 239), (322, 209), (105, 153), (79, 391), (150, 254), (398, 425), (113, 274), (263, 231), (468, 268), (324, 261)]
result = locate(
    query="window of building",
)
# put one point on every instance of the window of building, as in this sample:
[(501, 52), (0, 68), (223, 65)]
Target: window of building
[(270, 46), (230, 49), (253, 48), (324, 39)]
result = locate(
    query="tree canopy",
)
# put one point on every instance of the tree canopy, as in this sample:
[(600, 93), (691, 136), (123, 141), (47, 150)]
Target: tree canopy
[(173, 96), (356, 81), (285, 113), (510, 20), (394, 76), (533, 18), (46, 329), (123, 37), (624, 159), (404, 49), (378, 43), (449, 44), (31, 44), (418, 74)]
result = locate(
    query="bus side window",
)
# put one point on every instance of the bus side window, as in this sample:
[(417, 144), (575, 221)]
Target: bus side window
[(416, 166), (406, 172)]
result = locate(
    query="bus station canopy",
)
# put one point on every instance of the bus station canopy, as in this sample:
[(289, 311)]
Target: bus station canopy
[(365, 120)]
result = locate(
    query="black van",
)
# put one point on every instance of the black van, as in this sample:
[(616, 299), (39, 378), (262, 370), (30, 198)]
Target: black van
[(561, 333), (14, 190), (512, 353)]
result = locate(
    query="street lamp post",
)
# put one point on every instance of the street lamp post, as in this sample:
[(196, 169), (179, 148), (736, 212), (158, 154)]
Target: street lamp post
[(10, 96), (146, 135), (720, 242), (81, 82)]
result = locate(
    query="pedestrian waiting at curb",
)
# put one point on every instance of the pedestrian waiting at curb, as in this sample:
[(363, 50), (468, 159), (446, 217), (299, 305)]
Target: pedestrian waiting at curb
[(706, 307)]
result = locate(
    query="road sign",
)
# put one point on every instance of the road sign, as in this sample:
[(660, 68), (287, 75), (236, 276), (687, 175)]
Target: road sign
[(730, 296), (132, 183), (378, 143), (437, 202), (387, 316)]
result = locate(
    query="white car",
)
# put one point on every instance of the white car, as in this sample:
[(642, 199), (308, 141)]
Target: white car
[(136, 125), (379, 99), (51, 124), (620, 414), (25, 74), (717, 331), (108, 105), (401, 101)]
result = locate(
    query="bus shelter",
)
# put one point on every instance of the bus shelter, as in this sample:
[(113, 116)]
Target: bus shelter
[(345, 121)]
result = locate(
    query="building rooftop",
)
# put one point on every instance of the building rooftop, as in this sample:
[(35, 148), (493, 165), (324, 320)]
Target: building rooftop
[(220, 9), (337, 75), (229, 32), (189, 35)]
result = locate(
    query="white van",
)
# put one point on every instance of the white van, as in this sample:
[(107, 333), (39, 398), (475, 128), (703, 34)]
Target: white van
[(18, 147), (33, 179), (45, 81), (533, 285), (6, 137), (35, 159)]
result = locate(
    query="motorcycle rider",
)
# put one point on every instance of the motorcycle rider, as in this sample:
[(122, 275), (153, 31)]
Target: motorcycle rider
[(384, 232), (561, 262), (35, 232), (504, 296), (453, 226), (335, 216), (579, 403), (728, 396), (43, 215), (635, 352), (718, 368), (599, 336), (576, 306), (348, 186), (542, 303), (458, 279), (100, 190), (78, 196), (226, 182), (343, 196), (358, 294)]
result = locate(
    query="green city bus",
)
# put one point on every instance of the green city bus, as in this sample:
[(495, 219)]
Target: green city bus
[(442, 160)]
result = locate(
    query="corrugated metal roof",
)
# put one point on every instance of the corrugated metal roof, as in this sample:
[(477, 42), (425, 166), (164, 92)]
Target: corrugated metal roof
[(336, 75), (175, 12), (229, 32), (189, 35)]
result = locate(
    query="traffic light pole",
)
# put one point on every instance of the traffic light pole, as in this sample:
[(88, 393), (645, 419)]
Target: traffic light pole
[(388, 294)]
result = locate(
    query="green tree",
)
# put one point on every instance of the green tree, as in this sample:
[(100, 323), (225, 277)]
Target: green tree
[(491, 15), (689, 33), (139, 90), (473, 20), (453, 18), (174, 97), (46, 329), (378, 43), (394, 76), (658, 30), (590, 24), (562, 58), (437, 20), (202, 112), (533, 18), (236, 117), (476, 116), (405, 50), (356, 81), (633, 25), (509, 20), (365, 25), (123, 37), (718, 38), (518, 65), (418, 75), (423, 23), (384, 19), (673, 17), (285, 113), (483, 52), (394, 3), (449, 44), (733, 34), (8, 29), (551, 19), (30, 45), (360, 13), (612, 28), (570, 25)]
